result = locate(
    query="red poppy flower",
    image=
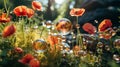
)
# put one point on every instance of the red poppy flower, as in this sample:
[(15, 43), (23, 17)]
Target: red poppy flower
[(106, 23), (53, 40), (77, 11), (20, 11), (4, 18), (18, 50), (30, 12), (26, 59), (36, 5), (8, 30), (34, 63), (88, 27)]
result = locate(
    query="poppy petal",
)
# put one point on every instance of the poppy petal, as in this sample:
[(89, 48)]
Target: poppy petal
[(34, 63), (4, 18), (20, 11), (36, 5), (88, 27), (53, 40), (8, 30), (30, 12), (106, 23), (26, 59), (77, 11)]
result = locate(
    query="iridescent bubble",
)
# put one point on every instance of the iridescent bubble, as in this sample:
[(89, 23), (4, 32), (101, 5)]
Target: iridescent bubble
[(89, 42), (66, 48), (96, 21), (107, 47), (64, 26), (74, 36), (116, 58), (117, 43), (115, 28), (100, 44), (39, 45), (77, 26), (107, 34), (65, 45), (63, 38), (82, 53), (48, 24)]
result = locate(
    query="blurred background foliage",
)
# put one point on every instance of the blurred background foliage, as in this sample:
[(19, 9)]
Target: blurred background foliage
[(96, 10)]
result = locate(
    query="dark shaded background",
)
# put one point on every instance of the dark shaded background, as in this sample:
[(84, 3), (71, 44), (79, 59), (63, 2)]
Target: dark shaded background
[(100, 10)]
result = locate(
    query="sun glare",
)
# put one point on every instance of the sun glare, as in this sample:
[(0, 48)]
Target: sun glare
[(59, 1)]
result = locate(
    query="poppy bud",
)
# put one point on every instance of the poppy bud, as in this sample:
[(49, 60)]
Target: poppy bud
[(8, 30)]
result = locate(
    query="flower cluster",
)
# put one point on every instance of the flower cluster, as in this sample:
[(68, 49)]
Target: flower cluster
[(56, 45), (25, 11), (29, 59)]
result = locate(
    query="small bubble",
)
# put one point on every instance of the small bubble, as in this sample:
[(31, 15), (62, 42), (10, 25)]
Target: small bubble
[(95, 21), (116, 58), (100, 44), (107, 48)]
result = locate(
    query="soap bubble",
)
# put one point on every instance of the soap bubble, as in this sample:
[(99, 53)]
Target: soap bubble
[(64, 26)]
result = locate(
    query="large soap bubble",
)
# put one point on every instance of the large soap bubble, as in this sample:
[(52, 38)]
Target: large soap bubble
[(64, 26)]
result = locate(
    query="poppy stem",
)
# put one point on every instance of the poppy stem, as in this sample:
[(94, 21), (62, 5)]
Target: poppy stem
[(41, 32), (77, 42), (6, 9), (5, 5), (78, 39), (23, 31)]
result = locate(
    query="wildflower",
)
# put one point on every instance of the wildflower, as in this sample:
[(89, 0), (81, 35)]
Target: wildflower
[(36, 5), (34, 63), (77, 11), (88, 27), (20, 11), (4, 18), (30, 12), (26, 59), (76, 50), (106, 23), (18, 50), (53, 40), (8, 30)]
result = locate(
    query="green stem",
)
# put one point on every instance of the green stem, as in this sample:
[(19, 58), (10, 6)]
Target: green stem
[(41, 32), (79, 38), (77, 19), (23, 31), (7, 9), (5, 2), (77, 42)]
